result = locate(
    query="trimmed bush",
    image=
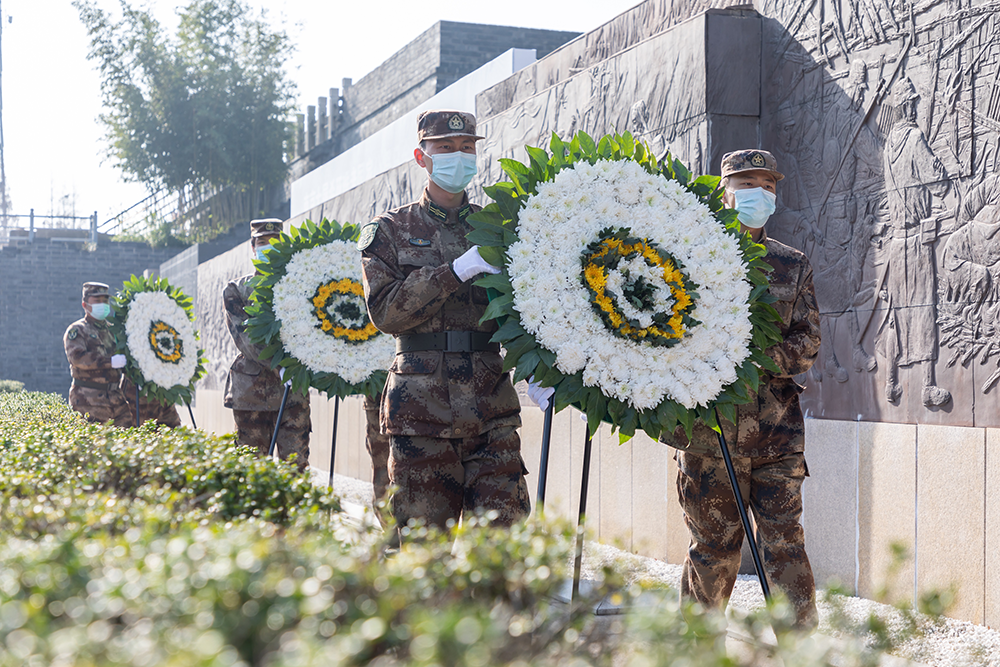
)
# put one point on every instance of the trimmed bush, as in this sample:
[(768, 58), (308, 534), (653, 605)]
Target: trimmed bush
[(11, 386)]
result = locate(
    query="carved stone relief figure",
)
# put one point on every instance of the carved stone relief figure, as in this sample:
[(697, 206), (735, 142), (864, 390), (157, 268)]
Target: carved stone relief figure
[(915, 181), (969, 288)]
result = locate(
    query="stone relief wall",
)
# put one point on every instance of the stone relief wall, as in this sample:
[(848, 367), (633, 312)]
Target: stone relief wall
[(886, 117)]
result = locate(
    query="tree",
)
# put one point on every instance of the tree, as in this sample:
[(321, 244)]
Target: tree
[(207, 107)]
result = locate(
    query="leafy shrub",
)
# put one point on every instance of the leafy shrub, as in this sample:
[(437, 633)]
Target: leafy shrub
[(57, 470), (11, 386)]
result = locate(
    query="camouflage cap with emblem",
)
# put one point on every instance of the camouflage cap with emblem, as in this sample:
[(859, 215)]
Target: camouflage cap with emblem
[(751, 159), (266, 227), (95, 289), (440, 124)]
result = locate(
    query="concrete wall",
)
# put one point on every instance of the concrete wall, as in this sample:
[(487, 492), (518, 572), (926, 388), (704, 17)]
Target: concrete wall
[(40, 297), (437, 58)]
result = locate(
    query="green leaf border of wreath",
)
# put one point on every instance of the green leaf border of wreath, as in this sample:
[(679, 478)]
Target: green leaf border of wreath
[(494, 230), (120, 306), (264, 329)]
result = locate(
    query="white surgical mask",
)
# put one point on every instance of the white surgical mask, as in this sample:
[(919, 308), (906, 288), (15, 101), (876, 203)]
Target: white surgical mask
[(100, 311), (453, 171), (754, 206)]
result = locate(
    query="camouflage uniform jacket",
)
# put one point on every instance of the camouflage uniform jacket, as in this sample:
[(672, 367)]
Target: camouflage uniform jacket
[(410, 288), (89, 347), (771, 424), (251, 384)]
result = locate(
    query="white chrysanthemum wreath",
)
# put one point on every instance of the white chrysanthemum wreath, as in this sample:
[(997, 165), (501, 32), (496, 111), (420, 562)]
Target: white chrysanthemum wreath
[(626, 286), (309, 311), (153, 326)]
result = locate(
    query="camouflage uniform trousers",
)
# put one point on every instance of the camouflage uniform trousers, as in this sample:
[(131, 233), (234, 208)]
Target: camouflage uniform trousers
[(377, 444), (256, 427), (772, 487), (102, 406), (438, 479)]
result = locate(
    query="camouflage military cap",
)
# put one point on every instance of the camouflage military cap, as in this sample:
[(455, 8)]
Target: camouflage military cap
[(440, 124), (751, 159), (95, 289), (266, 227)]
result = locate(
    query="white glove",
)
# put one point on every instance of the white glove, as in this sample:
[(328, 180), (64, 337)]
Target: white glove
[(471, 264), (281, 376), (118, 361), (540, 395)]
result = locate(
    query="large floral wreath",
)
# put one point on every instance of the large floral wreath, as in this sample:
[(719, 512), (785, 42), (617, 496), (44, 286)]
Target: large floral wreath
[(153, 327), (626, 285), (308, 310)]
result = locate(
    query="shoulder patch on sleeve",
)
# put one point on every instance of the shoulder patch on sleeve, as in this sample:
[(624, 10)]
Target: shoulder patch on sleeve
[(368, 234), (72, 333)]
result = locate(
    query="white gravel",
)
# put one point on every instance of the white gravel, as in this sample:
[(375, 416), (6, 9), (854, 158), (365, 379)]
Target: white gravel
[(949, 643)]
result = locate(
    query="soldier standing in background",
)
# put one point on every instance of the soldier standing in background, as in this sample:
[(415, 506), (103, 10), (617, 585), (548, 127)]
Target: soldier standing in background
[(450, 411), (253, 388), (93, 364), (768, 440)]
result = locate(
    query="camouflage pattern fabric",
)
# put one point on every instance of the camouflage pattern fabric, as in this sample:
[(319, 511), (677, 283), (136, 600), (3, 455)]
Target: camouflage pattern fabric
[(440, 478), (410, 288), (251, 384), (255, 428), (89, 346), (150, 409), (772, 489), (772, 424), (377, 444)]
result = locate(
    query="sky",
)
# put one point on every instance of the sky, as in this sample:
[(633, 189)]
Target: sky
[(54, 146)]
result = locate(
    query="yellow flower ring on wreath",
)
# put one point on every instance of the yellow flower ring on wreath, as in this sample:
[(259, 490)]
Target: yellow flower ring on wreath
[(340, 308), (666, 328), (166, 342)]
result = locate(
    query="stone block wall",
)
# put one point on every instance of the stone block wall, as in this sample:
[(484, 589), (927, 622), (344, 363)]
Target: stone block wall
[(437, 58), (40, 296)]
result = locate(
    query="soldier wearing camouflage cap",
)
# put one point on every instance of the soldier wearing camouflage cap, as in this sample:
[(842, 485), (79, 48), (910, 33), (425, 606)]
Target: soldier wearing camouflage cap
[(767, 442), (253, 388), (449, 410), (93, 364)]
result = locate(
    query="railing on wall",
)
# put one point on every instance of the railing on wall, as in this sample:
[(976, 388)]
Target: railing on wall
[(32, 223)]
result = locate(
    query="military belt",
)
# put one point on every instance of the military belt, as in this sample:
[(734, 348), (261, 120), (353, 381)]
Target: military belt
[(108, 386), (448, 341)]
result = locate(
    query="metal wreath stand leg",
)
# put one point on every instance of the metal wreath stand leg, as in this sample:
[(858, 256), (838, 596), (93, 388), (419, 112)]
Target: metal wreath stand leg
[(137, 405), (277, 426), (191, 412), (743, 512), (333, 443), (584, 483), (543, 464)]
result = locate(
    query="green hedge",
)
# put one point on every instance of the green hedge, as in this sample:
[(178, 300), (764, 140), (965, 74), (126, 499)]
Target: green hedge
[(141, 547), (11, 386)]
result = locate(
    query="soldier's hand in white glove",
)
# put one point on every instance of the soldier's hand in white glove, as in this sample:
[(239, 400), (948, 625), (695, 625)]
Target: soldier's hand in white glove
[(471, 264), (281, 376), (118, 361), (540, 395)]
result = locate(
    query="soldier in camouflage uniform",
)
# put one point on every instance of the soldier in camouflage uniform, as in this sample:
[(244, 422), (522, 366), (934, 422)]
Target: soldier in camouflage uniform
[(449, 409), (150, 409), (93, 364), (768, 440), (253, 388)]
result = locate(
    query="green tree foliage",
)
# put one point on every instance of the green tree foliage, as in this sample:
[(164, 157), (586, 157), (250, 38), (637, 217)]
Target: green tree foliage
[(207, 106)]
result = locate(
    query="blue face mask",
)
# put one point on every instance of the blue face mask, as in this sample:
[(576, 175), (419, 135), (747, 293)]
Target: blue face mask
[(100, 311), (260, 254), (453, 171), (754, 206)]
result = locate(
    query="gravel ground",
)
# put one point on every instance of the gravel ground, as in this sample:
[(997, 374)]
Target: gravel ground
[(949, 643)]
